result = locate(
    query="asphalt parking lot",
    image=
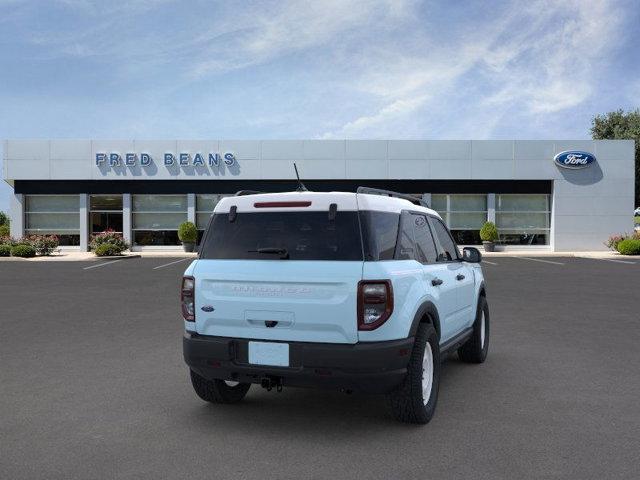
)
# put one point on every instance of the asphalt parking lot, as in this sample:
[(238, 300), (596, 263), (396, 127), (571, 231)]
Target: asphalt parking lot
[(92, 385)]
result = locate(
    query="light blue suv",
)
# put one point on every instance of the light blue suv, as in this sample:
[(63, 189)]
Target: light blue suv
[(358, 291)]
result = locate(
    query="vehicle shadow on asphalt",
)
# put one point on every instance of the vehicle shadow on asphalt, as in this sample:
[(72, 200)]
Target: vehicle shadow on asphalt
[(300, 411)]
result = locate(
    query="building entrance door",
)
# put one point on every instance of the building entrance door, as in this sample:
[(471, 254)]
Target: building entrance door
[(106, 213)]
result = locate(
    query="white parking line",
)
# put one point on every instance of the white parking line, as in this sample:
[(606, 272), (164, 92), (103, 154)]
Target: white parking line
[(540, 260), (102, 264), (170, 263), (487, 261), (612, 260)]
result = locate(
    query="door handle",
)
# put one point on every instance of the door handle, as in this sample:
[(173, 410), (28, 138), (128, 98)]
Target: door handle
[(436, 281), (459, 277)]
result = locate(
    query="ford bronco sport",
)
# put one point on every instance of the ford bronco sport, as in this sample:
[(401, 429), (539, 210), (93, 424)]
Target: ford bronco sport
[(358, 291)]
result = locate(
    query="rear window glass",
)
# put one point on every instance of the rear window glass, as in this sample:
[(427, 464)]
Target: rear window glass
[(279, 235)]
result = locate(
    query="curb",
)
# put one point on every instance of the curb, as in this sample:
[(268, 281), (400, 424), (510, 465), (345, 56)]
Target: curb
[(116, 257)]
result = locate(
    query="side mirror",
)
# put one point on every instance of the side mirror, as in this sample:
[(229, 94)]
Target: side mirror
[(471, 255)]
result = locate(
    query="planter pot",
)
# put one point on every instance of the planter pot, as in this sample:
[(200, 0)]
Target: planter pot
[(188, 246), (489, 246)]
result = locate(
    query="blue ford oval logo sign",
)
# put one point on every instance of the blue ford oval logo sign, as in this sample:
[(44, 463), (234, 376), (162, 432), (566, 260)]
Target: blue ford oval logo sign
[(574, 159)]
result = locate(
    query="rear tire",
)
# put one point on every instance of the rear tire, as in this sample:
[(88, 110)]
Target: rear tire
[(218, 391), (414, 401), (476, 348)]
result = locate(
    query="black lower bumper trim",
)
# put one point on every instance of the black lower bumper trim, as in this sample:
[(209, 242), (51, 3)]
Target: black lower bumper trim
[(372, 367)]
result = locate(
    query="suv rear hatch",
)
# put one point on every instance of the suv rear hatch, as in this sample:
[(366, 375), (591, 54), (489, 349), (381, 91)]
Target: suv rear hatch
[(281, 267)]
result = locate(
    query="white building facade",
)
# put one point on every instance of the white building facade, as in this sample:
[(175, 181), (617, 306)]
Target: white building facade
[(552, 195)]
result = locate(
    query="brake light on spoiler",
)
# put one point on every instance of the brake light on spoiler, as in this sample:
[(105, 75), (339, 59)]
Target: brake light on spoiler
[(282, 204)]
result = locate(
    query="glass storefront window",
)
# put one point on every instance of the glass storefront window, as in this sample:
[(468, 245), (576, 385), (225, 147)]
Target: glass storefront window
[(204, 208), (54, 215), (523, 219), (156, 218), (106, 213), (464, 214)]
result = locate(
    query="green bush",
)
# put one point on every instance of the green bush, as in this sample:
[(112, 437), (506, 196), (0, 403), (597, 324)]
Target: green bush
[(489, 232), (187, 232), (108, 250), (4, 231), (23, 250), (108, 237), (636, 220), (629, 246), (4, 219), (5, 250)]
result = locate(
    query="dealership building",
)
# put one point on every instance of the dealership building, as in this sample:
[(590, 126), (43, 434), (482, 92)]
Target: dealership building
[(547, 194)]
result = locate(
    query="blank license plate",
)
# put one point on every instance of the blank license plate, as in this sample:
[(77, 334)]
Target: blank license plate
[(269, 353)]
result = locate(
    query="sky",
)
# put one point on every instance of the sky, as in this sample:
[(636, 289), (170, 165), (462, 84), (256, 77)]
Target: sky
[(290, 69)]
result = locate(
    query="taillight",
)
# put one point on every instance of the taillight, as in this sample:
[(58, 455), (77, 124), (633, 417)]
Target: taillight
[(187, 299), (375, 303)]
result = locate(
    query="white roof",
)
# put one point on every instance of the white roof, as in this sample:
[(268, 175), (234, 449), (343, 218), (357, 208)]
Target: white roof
[(319, 201)]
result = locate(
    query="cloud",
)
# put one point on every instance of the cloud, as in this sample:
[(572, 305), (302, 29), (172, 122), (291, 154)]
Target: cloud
[(292, 26), (552, 65), (343, 68), (540, 58)]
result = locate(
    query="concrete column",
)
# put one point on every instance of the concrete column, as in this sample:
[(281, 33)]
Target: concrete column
[(126, 219), (84, 222), (491, 207), (446, 215), (191, 207), (552, 220), (17, 215)]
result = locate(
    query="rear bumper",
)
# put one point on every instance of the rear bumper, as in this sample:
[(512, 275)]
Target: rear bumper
[(375, 367)]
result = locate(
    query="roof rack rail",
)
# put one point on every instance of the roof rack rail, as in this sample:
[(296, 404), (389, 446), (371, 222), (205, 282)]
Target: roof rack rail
[(389, 193), (241, 193)]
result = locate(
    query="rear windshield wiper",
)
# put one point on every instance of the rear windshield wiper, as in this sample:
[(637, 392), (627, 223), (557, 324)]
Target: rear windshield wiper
[(284, 254)]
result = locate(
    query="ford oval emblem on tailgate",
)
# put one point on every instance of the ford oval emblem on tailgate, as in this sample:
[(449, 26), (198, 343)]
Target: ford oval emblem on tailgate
[(207, 308)]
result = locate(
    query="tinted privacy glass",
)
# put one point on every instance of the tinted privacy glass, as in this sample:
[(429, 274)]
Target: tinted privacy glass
[(448, 250), (380, 233), (301, 235), (425, 248), (406, 244)]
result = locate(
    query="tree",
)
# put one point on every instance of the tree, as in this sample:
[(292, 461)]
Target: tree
[(4, 218), (620, 125)]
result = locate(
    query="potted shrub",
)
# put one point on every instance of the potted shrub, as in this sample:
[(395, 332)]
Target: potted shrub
[(188, 235), (489, 236)]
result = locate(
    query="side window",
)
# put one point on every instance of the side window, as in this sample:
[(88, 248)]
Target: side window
[(405, 248), (447, 250), (426, 249), (379, 234)]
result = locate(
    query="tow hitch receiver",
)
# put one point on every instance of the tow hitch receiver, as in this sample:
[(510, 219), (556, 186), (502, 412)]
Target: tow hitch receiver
[(271, 382)]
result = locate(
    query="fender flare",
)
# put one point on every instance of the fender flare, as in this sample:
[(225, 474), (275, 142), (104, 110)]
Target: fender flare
[(482, 290), (427, 308)]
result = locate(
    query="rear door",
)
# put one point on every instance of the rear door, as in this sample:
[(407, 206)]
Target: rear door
[(439, 278), (461, 275), (278, 274)]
